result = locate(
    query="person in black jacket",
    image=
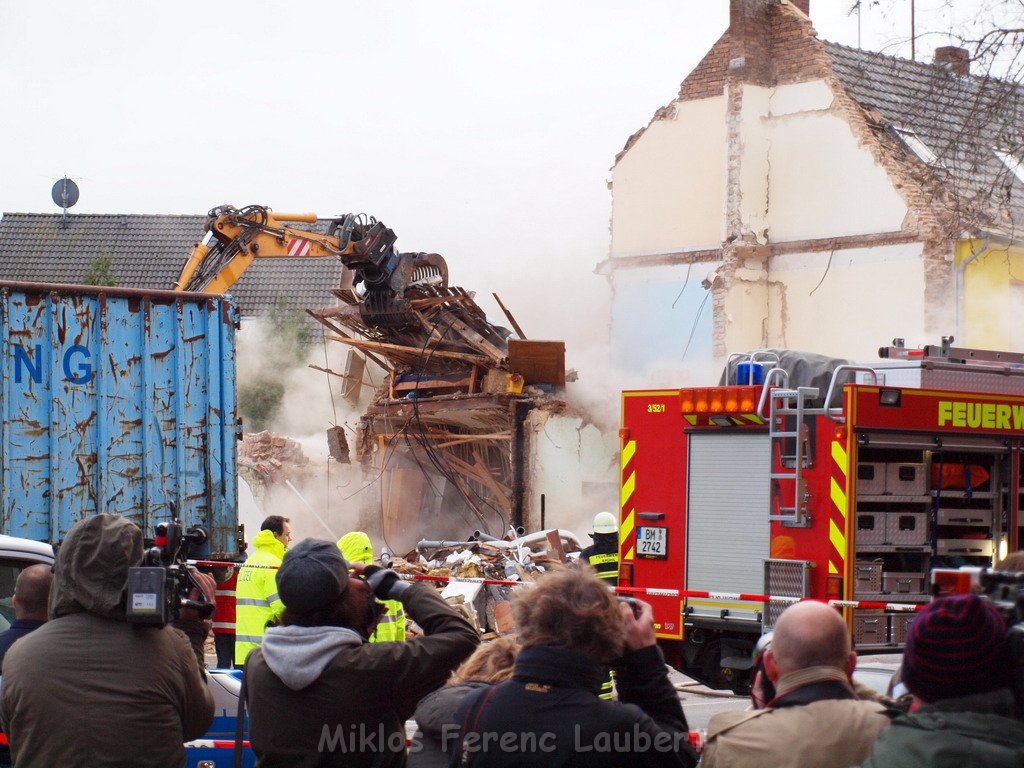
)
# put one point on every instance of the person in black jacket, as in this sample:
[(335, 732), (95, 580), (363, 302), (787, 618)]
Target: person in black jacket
[(549, 715), (490, 664)]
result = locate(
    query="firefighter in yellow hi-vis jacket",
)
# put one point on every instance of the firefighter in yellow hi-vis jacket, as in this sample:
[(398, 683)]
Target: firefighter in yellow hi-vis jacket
[(356, 548), (256, 600)]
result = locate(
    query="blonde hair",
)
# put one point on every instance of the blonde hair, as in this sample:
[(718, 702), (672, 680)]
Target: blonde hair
[(492, 662)]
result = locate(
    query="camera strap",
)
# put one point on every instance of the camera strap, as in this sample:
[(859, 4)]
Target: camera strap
[(240, 722)]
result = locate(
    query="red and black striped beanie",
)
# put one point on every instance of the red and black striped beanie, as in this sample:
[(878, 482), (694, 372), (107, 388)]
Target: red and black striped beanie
[(957, 646)]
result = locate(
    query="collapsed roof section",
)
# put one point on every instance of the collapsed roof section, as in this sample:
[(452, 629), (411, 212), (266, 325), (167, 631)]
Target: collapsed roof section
[(445, 431)]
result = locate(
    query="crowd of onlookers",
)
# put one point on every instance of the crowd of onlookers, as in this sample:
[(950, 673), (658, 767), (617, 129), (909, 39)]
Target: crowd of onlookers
[(88, 688)]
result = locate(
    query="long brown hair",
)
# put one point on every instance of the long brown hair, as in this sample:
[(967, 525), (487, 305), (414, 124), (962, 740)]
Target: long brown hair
[(570, 609)]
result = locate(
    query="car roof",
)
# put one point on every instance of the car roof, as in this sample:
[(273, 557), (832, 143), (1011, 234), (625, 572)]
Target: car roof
[(25, 549)]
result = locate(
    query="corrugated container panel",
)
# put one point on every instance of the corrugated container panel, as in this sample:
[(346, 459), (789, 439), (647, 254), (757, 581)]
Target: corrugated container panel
[(116, 401)]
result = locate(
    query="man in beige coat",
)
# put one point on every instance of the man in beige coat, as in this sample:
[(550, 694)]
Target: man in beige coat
[(815, 718)]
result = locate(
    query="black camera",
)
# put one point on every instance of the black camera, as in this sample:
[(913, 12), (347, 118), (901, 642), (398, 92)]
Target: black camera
[(1005, 590), (634, 606), (162, 585)]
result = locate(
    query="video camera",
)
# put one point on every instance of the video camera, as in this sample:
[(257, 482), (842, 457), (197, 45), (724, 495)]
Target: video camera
[(162, 585), (1005, 590)]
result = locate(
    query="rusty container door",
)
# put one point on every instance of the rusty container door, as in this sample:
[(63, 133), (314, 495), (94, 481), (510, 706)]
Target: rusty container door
[(117, 401)]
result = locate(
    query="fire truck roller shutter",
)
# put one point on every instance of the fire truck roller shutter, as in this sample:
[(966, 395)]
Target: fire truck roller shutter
[(728, 531)]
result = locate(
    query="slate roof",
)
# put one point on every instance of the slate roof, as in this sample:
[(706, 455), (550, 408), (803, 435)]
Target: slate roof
[(961, 119), (149, 251)]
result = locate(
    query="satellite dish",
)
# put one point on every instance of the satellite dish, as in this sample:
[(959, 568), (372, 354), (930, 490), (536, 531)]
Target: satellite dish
[(64, 193)]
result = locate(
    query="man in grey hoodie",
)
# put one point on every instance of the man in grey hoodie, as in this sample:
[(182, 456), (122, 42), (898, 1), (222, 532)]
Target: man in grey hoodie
[(318, 693)]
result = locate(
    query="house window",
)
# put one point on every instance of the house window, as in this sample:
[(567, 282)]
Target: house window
[(1013, 162), (915, 145)]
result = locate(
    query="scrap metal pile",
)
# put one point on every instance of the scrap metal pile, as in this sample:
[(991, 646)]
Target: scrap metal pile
[(441, 431)]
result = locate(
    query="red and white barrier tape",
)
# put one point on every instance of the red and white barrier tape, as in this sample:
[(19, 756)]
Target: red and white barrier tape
[(656, 592)]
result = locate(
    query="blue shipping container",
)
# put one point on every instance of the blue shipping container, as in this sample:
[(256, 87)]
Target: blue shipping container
[(117, 401)]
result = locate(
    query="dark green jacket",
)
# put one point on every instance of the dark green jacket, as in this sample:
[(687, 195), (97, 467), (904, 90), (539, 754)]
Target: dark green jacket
[(973, 732)]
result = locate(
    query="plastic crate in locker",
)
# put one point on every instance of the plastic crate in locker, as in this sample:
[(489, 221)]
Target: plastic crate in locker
[(905, 479), (906, 529), (867, 576), (899, 626), (869, 528), (870, 627), (870, 478)]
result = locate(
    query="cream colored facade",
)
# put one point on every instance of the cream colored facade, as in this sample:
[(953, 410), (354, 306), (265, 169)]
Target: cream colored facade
[(802, 176), (669, 188)]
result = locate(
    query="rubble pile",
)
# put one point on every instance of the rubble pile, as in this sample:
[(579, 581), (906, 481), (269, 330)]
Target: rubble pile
[(459, 564), (265, 459)]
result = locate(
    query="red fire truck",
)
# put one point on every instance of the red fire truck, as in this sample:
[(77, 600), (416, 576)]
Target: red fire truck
[(814, 478)]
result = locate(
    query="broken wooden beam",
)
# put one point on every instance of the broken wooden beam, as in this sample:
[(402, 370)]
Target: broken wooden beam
[(508, 314), (384, 348)]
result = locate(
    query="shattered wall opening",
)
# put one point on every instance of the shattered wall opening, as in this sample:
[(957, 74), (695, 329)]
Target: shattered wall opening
[(443, 435)]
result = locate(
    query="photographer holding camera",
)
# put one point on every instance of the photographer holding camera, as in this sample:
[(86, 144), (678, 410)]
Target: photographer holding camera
[(570, 626), (88, 688), (957, 664)]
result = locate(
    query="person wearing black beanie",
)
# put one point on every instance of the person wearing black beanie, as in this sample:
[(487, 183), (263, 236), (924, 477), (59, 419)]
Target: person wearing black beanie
[(958, 667)]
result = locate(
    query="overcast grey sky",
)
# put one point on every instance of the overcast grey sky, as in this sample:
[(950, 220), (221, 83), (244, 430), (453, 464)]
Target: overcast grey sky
[(480, 130)]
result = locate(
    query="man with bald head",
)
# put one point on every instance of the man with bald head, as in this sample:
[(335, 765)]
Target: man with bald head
[(31, 594), (815, 718)]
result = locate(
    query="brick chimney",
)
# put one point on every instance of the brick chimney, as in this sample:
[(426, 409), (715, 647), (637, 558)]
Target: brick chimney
[(956, 60), (749, 30)]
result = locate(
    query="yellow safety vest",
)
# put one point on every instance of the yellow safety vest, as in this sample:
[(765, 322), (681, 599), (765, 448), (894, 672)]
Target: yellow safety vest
[(391, 626), (256, 600)]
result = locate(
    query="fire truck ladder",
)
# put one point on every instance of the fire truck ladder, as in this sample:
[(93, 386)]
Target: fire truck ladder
[(790, 403)]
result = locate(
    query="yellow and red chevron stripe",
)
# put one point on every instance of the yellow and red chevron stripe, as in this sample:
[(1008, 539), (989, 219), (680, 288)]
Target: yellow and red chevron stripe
[(838, 525), (626, 508)]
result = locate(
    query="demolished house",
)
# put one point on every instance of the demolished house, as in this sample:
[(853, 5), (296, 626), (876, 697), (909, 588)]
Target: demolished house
[(451, 432)]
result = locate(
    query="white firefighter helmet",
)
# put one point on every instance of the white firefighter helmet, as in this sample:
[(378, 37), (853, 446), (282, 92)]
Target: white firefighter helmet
[(604, 522)]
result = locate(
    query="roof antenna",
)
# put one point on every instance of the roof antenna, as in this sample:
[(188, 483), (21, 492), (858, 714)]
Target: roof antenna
[(64, 195)]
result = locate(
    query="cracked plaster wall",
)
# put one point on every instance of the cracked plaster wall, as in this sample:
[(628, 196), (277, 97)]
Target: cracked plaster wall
[(844, 308), (823, 181), (575, 467), (668, 189)]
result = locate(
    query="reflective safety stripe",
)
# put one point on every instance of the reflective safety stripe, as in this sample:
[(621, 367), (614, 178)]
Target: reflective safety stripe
[(257, 639), (223, 625), (607, 574), (260, 602), (391, 618), (272, 598)]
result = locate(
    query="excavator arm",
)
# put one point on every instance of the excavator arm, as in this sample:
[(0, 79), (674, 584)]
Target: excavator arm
[(237, 237)]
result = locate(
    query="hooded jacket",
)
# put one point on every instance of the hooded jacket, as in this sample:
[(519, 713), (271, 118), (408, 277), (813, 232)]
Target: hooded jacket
[(978, 731), (356, 548), (256, 600), (89, 689), (320, 696)]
